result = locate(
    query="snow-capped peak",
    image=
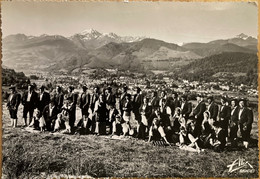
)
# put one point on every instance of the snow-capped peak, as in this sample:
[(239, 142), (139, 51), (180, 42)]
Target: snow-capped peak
[(242, 36)]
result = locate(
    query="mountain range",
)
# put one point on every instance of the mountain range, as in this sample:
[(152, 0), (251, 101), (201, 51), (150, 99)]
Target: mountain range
[(91, 49)]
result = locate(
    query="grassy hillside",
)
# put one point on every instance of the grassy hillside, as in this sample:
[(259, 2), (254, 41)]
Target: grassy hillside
[(27, 155)]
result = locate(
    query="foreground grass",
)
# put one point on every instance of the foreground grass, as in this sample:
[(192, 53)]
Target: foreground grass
[(28, 154)]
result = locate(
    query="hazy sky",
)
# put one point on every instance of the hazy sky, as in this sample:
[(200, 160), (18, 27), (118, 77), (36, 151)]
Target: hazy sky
[(175, 22)]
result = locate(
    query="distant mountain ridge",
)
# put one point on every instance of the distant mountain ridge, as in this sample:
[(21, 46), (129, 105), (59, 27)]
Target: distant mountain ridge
[(91, 49)]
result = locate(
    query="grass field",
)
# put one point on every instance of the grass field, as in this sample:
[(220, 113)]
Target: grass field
[(27, 154)]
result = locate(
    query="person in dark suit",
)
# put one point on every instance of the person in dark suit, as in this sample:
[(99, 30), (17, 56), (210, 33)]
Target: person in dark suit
[(137, 101), (59, 98), (13, 103), (127, 109), (49, 114), (224, 115), (72, 96), (122, 99), (245, 120), (84, 104), (93, 99), (233, 125), (109, 97), (145, 110), (154, 102), (212, 108), (43, 99), (186, 107), (198, 111), (100, 112), (29, 101), (175, 102)]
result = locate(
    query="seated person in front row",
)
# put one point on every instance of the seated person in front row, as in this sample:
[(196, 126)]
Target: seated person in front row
[(62, 119), (218, 140), (188, 136), (112, 120), (156, 131)]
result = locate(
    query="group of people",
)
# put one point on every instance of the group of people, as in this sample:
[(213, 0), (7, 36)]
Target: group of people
[(166, 118)]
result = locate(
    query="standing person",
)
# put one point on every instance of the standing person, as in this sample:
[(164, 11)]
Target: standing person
[(100, 112), (224, 115), (112, 122), (59, 98), (233, 123), (154, 102), (49, 115), (137, 101), (73, 97), (122, 99), (110, 98), (186, 107), (163, 96), (212, 108), (13, 103), (43, 99), (145, 111), (94, 98), (198, 111), (245, 118), (175, 103), (127, 108), (29, 101), (84, 104)]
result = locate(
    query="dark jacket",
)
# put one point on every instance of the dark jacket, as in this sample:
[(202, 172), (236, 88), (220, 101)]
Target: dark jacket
[(234, 116), (199, 110), (59, 98), (84, 102), (14, 102), (110, 99), (46, 113), (224, 115), (122, 101), (127, 108), (33, 101), (246, 117), (137, 101), (93, 99), (147, 110), (213, 109), (44, 101), (187, 108)]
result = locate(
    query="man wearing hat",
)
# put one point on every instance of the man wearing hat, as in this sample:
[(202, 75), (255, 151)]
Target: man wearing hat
[(29, 101), (212, 108), (13, 102), (43, 99), (245, 120)]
